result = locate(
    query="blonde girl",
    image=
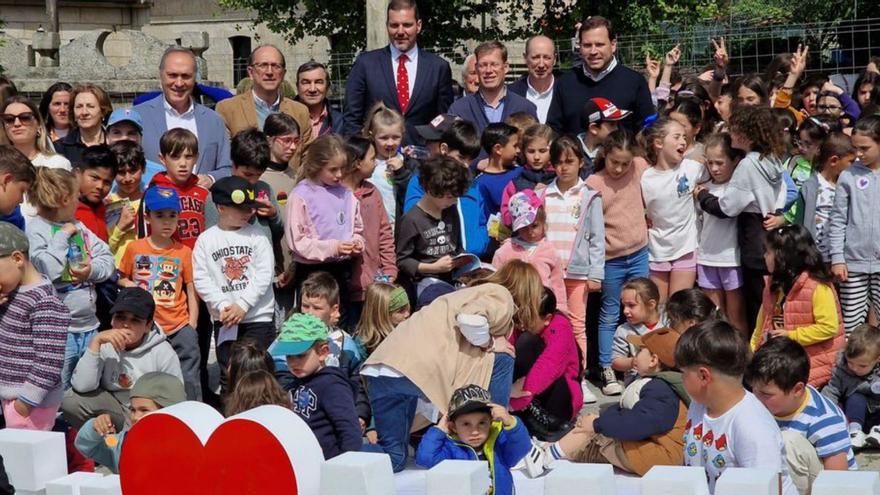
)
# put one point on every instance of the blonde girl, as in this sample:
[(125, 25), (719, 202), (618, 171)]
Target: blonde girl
[(385, 127), (385, 307)]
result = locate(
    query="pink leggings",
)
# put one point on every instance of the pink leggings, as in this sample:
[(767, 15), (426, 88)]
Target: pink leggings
[(576, 292), (41, 418)]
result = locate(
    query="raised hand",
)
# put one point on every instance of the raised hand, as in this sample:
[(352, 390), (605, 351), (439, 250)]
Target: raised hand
[(673, 55), (721, 57), (652, 67)]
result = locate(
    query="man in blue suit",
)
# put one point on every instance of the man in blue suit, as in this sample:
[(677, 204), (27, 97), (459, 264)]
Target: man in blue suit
[(176, 108), (416, 83), (493, 102)]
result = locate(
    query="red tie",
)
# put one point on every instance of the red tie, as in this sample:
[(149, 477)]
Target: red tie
[(402, 83)]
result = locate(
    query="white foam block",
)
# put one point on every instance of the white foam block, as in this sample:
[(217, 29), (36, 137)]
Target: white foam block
[(69, 485), (675, 480), (108, 485), (458, 477), (848, 482), (32, 458), (583, 479), (357, 473), (736, 481)]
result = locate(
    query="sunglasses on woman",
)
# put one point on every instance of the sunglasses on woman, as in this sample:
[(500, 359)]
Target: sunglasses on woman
[(25, 118)]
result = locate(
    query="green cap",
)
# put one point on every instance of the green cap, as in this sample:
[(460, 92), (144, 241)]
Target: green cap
[(298, 334), (162, 388), (12, 239)]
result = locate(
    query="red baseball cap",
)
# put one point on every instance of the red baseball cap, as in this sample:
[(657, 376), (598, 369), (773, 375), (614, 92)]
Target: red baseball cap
[(599, 109)]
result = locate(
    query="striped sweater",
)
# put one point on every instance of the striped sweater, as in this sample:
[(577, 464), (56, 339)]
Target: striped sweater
[(33, 335)]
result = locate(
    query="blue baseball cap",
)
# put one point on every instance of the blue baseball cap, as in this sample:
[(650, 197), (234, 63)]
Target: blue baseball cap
[(126, 115), (161, 198)]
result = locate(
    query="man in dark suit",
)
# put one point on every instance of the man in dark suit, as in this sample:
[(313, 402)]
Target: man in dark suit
[(539, 84), (176, 108), (492, 103), (602, 76), (406, 78)]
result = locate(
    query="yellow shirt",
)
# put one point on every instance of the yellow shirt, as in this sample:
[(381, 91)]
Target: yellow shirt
[(119, 239), (826, 323)]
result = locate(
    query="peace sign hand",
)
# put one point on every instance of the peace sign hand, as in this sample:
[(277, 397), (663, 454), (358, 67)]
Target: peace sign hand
[(721, 58)]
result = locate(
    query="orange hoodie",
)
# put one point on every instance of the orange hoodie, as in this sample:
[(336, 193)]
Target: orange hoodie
[(191, 222)]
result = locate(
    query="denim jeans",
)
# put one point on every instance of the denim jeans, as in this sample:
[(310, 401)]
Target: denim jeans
[(77, 342), (618, 271), (855, 407), (394, 400)]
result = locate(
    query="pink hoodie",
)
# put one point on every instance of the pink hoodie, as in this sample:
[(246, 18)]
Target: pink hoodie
[(544, 258), (559, 359)]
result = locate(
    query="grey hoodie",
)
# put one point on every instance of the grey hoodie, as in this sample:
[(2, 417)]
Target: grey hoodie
[(854, 225), (115, 372), (48, 253), (756, 186)]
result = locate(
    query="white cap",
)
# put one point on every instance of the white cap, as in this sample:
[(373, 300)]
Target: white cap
[(475, 328)]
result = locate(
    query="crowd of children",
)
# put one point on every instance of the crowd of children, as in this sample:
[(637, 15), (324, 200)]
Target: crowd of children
[(356, 289)]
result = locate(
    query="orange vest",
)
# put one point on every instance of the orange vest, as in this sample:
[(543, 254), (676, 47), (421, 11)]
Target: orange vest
[(798, 313), (666, 449)]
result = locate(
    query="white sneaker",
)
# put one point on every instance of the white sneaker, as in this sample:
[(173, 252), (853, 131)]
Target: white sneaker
[(873, 438), (611, 385), (589, 396), (535, 460), (858, 439)]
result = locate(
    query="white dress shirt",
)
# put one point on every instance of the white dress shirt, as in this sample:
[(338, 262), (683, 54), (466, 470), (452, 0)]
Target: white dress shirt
[(411, 65), (598, 77), (540, 99), (185, 120)]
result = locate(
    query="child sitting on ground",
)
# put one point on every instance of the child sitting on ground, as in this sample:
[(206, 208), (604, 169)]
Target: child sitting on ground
[(641, 300), (727, 426), (476, 429), (855, 384), (98, 439), (322, 395), (623, 435), (254, 389), (813, 427)]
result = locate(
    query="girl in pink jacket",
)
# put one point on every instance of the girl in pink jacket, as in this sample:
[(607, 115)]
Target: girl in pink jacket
[(530, 245), (546, 394)]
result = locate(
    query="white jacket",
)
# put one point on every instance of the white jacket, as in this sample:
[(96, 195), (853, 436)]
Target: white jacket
[(235, 266)]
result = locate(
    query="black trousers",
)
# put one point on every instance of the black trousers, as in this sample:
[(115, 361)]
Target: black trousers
[(549, 415)]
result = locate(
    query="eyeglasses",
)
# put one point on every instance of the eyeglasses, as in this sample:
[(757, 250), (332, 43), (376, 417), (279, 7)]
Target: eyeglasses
[(26, 118), (828, 108), (288, 140), (266, 67)]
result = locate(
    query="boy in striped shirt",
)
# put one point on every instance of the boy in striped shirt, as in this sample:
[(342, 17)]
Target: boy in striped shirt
[(813, 427)]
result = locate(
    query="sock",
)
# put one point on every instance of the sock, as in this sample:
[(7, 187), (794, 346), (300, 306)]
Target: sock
[(854, 427), (555, 450)]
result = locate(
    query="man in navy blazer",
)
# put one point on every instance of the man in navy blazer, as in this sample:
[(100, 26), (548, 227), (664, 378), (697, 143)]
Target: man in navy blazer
[(420, 90), (176, 108), (538, 86), (493, 102)]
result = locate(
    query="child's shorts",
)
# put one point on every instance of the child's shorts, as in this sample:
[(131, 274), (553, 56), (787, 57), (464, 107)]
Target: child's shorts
[(719, 277), (686, 263)]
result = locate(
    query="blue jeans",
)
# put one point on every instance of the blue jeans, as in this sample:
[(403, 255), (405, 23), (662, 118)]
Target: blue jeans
[(618, 271), (855, 407), (76, 346), (394, 400)]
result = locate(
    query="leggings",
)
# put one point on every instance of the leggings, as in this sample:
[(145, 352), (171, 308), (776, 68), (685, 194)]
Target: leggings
[(854, 296)]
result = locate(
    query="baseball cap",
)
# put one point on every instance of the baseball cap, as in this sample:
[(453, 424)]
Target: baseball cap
[(136, 301), (434, 130), (126, 115), (12, 239), (660, 342), (298, 334), (468, 399), (233, 191), (161, 388), (599, 109), (161, 198), (523, 207)]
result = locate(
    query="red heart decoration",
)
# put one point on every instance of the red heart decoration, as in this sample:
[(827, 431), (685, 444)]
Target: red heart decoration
[(268, 450)]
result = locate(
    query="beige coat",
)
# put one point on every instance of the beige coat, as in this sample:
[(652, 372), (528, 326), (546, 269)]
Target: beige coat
[(429, 349)]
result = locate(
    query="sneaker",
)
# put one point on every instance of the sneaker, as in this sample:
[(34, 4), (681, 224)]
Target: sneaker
[(611, 385), (535, 462), (873, 438), (858, 439), (589, 396)]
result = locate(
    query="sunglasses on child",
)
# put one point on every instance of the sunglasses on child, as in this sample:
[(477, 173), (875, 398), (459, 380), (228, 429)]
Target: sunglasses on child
[(25, 118)]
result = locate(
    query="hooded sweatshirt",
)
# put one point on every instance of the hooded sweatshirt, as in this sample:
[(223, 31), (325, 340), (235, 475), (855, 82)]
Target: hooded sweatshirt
[(325, 400), (755, 190), (94, 217), (191, 222), (48, 252), (116, 371)]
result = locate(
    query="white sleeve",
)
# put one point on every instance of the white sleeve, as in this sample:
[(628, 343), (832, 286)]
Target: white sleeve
[(206, 286), (263, 266)]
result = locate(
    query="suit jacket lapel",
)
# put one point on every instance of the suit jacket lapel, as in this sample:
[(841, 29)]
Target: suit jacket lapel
[(158, 116), (421, 78), (387, 69)]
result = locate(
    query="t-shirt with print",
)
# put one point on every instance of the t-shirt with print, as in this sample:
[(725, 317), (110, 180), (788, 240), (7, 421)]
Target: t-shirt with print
[(821, 422), (422, 238), (744, 436), (670, 206), (824, 205), (163, 273)]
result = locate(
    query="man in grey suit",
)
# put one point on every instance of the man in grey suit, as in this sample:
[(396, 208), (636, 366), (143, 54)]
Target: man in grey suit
[(177, 108)]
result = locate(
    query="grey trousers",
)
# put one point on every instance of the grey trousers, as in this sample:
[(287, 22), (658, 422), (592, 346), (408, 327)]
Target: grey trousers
[(186, 344), (78, 408)]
